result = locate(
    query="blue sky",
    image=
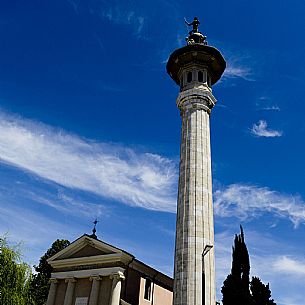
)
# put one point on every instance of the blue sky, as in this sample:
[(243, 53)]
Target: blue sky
[(89, 128)]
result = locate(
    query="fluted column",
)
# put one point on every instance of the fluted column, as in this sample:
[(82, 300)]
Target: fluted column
[(95, 289), (69, 291), (116, 287), (195, 67), (195, 228), (52, 292)]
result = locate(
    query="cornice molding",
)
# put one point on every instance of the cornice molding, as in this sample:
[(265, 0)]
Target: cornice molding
[(87, 260), (87, 273)]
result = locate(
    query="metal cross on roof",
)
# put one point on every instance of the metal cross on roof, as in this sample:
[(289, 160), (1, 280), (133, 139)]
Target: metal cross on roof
[(94, 229)]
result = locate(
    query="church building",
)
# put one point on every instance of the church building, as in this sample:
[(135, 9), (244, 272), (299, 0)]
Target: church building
[(92, 272)]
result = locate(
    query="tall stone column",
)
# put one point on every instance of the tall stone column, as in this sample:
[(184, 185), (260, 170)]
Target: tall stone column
[(69, 291), (95, 289), (195, 68), (52, 292), (116, 287), (195, 228)]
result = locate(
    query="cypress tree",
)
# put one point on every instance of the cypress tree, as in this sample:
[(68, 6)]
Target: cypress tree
[(236, 290), (261, 293)]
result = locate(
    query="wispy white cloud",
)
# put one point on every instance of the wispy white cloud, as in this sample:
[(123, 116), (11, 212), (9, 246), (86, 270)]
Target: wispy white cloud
[(137, 179), (66, 204), (239, 64), (268, 267), (120, 15), (265, 103), (290, 266), (275, 263), (235, 71), (223, 246), (34, 230), (261, 130), (272, 108), (45, 194), (292, 300), (250, 201)]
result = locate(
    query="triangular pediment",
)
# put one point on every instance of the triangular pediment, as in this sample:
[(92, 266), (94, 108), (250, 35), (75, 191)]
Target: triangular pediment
[(88, 249)]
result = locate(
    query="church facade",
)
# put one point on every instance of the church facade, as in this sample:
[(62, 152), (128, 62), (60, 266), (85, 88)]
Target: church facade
[(92, 272)]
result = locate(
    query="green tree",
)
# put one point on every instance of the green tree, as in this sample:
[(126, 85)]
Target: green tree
[(235, 289), (261, 293), (15, 276), (40, 282)]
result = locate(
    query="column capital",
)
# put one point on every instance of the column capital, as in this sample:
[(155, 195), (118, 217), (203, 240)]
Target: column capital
[(53, 281), (117, 276), (95, 278), (71, 280), (194, 99), (52, 291)]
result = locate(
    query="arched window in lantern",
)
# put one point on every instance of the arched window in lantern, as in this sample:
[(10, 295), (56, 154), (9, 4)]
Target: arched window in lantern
[(200, 76), (189, 77)]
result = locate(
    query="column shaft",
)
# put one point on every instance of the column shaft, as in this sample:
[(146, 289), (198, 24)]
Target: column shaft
[(52, 292), (70, 291), (95, 289), (195, 227), (116, 288)]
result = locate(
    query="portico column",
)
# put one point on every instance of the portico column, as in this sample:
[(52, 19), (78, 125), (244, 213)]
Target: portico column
[(70, 291), (116, 287), (95, 289), (52, 292)]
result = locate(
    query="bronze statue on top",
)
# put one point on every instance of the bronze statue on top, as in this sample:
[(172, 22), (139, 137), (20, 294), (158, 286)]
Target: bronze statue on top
[(195, 25), (194, 35)]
